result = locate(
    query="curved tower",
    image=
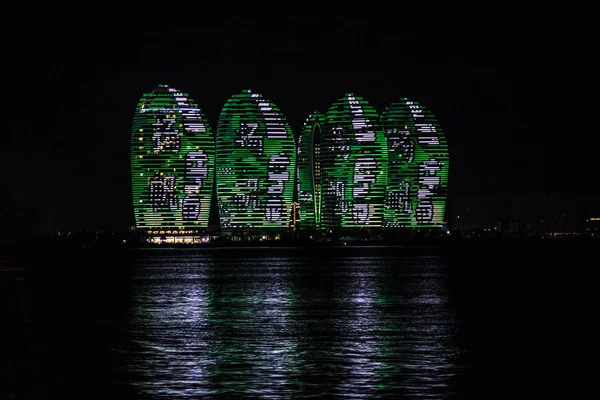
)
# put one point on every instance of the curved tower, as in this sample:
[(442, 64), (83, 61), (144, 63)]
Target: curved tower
[(172, 161), (309, 171), (354, 165), (418, 166), (256, 164)]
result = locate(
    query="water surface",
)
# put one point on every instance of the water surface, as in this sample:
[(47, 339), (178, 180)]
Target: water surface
[(288, 323)]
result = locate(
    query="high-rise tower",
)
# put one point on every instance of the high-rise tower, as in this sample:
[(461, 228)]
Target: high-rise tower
[(418, 166), (354, 165), (309, 171), (172, 161), (256, 164)]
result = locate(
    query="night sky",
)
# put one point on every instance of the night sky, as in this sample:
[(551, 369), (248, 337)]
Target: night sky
[(518, 106)]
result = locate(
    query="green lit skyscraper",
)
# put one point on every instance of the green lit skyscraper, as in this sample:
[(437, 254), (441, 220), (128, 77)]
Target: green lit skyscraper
[(172, 161), (418, 166), (354, 165), (256, 164), (309, 172)]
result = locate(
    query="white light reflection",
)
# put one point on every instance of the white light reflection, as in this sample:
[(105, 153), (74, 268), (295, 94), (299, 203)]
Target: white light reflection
[(423, 343), (170, 354), (398, 331), (254, 349), (278, 327), (274, 356), (359, 350)]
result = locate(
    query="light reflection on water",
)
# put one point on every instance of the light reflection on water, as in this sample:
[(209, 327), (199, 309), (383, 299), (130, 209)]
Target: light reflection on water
[(281, 326)]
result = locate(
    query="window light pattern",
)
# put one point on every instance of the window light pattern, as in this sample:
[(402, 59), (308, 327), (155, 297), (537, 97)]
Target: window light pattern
[(256, 164), (172, 161), (354, 165), (309, 171), (418, 166)]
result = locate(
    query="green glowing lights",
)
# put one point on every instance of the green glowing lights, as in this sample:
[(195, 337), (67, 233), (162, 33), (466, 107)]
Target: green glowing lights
[(418, 166), (172, 161), (350, 167), (354, 165), (256, 164), (309, 172)]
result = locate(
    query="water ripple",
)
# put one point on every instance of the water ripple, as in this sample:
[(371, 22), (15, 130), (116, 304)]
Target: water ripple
[(284, 326)]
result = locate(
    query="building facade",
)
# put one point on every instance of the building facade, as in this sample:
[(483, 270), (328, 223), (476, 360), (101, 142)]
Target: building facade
[(350, 168), (309, 172), (255, 164), (172, 162), (418, 166), (354, 165)]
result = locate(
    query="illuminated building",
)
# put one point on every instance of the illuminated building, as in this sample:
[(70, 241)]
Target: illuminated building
[(256, 164), (353, 165), (418, 166), (309, 171), (172, 159)]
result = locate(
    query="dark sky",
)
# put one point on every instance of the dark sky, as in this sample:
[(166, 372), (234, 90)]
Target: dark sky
[(518, 106)]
